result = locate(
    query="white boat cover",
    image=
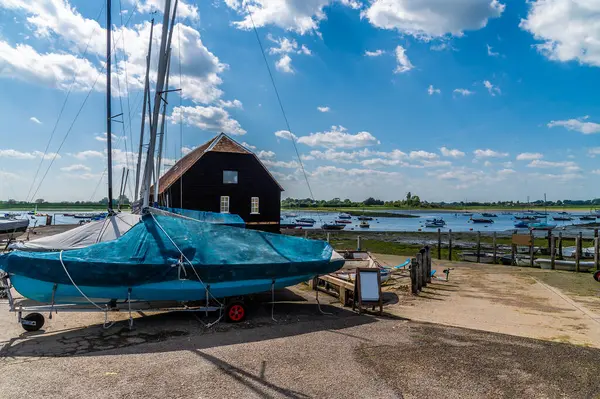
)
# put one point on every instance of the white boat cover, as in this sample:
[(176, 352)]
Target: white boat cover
[(83, 236)]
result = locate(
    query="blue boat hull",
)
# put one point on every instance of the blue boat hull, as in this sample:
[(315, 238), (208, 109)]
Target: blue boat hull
[(176, 290)]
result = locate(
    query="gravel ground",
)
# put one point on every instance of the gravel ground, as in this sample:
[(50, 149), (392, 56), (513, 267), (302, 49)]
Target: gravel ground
[(301, 355)]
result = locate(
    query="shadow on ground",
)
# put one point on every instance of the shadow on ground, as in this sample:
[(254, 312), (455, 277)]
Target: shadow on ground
[(291, 315)]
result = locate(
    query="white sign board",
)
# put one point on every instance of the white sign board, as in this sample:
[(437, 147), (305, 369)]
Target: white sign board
[(369, 286)]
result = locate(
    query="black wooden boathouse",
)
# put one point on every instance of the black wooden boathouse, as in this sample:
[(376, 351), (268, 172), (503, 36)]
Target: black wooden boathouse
[(224, 176)]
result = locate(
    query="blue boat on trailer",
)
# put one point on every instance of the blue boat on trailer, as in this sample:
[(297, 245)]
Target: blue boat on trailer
[(167, 257)]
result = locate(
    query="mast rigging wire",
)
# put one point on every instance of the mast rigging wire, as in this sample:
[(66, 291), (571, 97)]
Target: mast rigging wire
[(71, 85), (100, 73)]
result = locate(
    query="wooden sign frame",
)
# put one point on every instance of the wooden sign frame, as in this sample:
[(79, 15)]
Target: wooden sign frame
[(357, 290), (521, 239)]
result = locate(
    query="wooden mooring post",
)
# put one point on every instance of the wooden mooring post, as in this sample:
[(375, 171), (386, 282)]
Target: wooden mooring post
[(552, 252), (577, 252), (439, 247), (328, 237), (580, 248), (449, 244), (494, 245), (428, 263), (413, 276), (305, 233), (597, 253), (358, 248), (560, 252), (478, 246), (531, 247), (419, 271), (423, 252), (513, 253)]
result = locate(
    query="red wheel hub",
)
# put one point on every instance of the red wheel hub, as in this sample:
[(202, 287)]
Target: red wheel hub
[(236, 312)]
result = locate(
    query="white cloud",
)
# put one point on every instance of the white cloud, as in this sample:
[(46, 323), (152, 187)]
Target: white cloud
[(375, 162), (284, 134), (596, 171), (334, 170), (51, 69), (184, 10), (249, 146), (35, 120), (49, 18), (568, 30), (463, 92), (592, 152), (280, 164), (76, 168), (578, 125), (88, 154), (493, 90), (432, 18), (284, 48), (323, 109), (103, 136), (211, 118), (431, 90), (186, 150), (231, 104), (393, 157), (490, 52), (435, 163), (487, 164), (300, 16), (265, 154), (447, 152), (537, 163), (529, 156), (404, 64), (338, 137), (15, 154), (422, 155), (284, 64), (557, 177), (375, 53), (489, 154)]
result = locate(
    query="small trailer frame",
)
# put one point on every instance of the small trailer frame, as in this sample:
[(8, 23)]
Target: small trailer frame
[(234, 309)]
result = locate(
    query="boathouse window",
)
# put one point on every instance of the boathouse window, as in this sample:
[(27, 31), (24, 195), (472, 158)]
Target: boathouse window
[(225, 204), (230, 177), (254, 205)]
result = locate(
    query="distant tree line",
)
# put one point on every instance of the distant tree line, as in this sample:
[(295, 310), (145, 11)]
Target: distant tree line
[(413, 201), (40, 201)]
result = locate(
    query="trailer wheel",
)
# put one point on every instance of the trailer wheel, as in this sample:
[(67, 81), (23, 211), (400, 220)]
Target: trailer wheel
[(235, 312), (597, 276), (32, 322)]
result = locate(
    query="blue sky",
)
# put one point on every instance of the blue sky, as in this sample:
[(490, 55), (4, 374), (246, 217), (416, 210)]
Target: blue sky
[(464, 99)]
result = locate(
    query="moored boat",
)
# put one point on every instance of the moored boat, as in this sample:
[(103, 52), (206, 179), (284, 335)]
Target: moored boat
[(481, 220), (541, 226), (344, 216), (343, 221), (332, 226), (489, 215), (364, 224), (432, 223), (306, 220)]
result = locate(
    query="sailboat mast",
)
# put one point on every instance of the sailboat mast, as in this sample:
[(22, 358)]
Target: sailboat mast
[(108, 110), (136, 193), (162, 131), (160, 81)]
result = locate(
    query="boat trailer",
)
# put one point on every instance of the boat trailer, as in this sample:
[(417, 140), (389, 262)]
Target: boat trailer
[(233, 309)]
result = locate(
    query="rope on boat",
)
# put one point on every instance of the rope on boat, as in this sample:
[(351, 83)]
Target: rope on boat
[(186, 259), (273, 301), (319, 304), (105, 310)]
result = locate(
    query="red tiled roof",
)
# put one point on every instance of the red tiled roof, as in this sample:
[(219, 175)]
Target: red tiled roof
[(220, 143)]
